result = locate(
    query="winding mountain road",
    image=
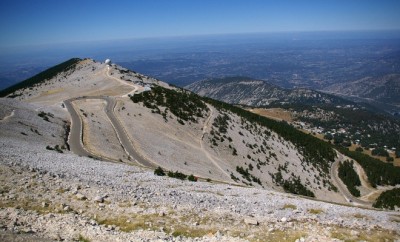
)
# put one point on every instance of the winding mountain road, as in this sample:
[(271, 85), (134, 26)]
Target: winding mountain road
[(75, 138), (76, 134), (123, 135), (76, 131), (342, 187)]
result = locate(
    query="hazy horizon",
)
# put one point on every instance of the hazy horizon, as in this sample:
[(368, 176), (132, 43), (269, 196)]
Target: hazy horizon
[(40, 34), (48, 22), (176, 41), (143, 54)]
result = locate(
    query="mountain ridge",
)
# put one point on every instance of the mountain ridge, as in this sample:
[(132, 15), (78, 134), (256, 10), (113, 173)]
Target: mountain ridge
[(42, 76), (259, 93), (243, 146), (177, 130), (383, 91)]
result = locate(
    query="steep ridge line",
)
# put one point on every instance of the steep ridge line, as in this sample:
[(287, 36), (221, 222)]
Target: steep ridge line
[(111, 112)]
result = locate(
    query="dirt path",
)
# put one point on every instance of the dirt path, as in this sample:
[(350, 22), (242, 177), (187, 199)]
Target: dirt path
[(135, 87), (209, 156), (8, 116), (372, 196)]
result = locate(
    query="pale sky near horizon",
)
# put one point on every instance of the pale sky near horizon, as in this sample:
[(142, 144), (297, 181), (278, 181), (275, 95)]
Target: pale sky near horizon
[(27, 22)]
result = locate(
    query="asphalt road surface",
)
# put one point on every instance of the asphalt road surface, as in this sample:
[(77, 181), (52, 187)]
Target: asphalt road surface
[(75, 138), (122, 134), (75, 135)]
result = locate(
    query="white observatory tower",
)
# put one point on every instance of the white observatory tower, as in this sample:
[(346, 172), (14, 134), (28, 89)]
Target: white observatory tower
[(108, 62)]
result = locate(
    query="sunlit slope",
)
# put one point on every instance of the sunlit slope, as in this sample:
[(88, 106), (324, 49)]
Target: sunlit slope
[(181, 131)]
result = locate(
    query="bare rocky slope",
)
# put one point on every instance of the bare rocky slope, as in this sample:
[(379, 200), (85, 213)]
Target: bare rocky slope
[(48, 192)]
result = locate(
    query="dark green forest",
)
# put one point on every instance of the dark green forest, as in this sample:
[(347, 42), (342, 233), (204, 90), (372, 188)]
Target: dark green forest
[(370, 127), (349, 177), (185, 105), (388, 199), (292, 185), (379, 173)]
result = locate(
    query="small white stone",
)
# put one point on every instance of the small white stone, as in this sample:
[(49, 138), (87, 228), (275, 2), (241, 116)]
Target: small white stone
[(98, 199), (250, 221), (354, 233), (80, 196)]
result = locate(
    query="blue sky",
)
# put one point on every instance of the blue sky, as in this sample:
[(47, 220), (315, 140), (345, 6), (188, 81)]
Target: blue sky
[(51, 21)]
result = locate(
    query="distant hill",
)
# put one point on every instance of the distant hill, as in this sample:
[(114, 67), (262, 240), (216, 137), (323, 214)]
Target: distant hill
[(385, 89), (258, 93)]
